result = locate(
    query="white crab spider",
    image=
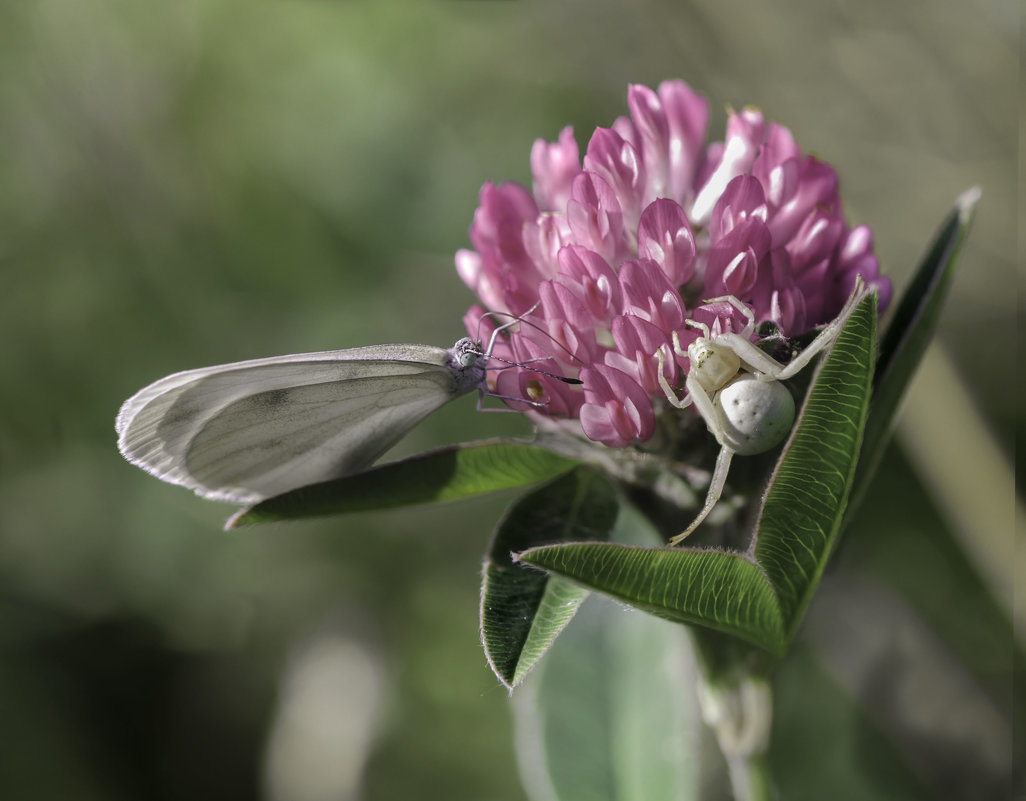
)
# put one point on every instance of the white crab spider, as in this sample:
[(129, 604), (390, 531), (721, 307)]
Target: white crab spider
[(735, 387)]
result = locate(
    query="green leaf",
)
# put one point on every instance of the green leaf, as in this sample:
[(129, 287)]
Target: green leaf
[(808, 491), (910, 331), (759, 594), (710, 587), (612, 714), (523, 609), (447, 474)]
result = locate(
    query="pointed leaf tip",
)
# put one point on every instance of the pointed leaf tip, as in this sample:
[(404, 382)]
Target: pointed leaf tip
[(912, 325), (966, 202), (523, 609)]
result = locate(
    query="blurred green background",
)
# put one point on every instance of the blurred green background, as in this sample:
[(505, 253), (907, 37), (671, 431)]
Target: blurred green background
[(205, 181)]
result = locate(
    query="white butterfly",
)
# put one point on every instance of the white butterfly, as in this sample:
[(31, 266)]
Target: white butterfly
[(247, 431)]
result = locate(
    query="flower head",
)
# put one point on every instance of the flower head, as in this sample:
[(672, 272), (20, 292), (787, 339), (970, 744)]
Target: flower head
[(608, 256)]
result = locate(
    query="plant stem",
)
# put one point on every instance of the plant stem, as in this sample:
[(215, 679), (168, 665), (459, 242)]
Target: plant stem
[(749, 777), (735, 698)]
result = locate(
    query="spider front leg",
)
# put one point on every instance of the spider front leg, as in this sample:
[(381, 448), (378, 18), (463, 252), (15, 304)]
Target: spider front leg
[(680, 403), (768, 369), (745, 310), (712, 497), (765, 367), (704, 403)]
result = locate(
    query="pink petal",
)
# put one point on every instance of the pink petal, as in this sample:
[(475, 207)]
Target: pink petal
[(687, 114), (816, 239), (733, 262), (648, 294), (637, 342), (618, 163), (654, 133), (592, 280), (787, 310), (567, 322), (486, 284), (554, 165), (664, 235), (857, 242), (742, 199), (744, 138), (500, 216), (595, 217), (778, 149), (543, 238), (616, 410), (812, 191)]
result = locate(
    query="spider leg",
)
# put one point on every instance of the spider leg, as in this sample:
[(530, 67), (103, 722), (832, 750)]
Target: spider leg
[(719, 479), (703, 402), (677, 348), (741, 307), (680, 403), (825, 338), (752, 358), (768, 369), (693, 324)]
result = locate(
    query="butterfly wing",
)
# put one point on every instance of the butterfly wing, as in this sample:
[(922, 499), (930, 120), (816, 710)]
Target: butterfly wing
[(246, 431)]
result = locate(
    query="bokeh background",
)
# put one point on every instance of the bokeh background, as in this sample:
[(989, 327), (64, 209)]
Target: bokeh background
[(206, 181)]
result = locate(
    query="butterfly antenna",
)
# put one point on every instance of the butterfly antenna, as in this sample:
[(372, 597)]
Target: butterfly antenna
[(508, 364), (522, 320), (515, 319)]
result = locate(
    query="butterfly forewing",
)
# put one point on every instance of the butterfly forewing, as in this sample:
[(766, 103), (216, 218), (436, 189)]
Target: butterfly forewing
[(246, 431)]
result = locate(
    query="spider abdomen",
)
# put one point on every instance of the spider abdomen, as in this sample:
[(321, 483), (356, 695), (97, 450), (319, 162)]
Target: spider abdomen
[(756, 415)]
